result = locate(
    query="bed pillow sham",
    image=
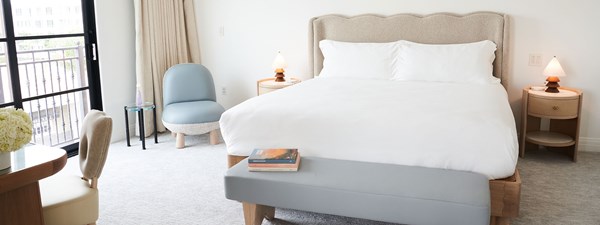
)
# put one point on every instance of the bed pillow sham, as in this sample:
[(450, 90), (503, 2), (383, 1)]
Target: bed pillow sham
[(459, 63), (358, 60)]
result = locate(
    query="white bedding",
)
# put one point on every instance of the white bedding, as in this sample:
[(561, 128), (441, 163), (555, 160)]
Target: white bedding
[(467, 127)]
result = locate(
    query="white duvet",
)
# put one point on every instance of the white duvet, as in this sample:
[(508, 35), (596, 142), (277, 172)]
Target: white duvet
[(468, 127)]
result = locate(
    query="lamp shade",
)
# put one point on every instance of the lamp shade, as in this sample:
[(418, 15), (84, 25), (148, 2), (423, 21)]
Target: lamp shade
[(553, 69), (279, 62)]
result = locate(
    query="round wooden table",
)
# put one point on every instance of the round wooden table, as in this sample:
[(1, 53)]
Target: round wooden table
[(20, 201)]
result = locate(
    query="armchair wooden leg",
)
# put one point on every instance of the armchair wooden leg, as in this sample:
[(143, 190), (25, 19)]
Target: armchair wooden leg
[(180, 140), (254, 214), (214, 137)]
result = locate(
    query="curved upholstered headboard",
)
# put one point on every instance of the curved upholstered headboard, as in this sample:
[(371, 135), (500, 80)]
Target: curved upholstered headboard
[(439, 28)]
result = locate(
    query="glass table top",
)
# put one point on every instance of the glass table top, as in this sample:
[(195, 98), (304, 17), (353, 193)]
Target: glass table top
[(145, 106), (32, 155)]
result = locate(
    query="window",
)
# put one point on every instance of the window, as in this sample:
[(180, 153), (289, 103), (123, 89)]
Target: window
[(49, 69)]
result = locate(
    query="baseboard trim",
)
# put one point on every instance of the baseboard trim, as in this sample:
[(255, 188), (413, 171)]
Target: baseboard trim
[(589, 144)]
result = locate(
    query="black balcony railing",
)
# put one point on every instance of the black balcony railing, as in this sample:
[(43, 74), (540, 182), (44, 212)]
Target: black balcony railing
[(54, 90)]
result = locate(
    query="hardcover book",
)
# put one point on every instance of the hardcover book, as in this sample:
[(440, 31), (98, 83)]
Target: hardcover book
[(274, 166), (274, 155)]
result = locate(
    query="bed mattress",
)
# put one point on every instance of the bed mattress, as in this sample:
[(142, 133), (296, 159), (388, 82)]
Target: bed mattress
[(467, 127)]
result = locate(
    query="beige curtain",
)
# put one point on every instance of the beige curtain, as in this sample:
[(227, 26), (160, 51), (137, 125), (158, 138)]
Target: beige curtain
[(165, 35)]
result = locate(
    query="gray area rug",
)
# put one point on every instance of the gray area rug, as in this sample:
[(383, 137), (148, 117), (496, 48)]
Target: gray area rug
[(164, 185)]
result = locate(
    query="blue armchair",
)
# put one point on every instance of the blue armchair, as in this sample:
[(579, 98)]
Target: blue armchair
[(189, 101)]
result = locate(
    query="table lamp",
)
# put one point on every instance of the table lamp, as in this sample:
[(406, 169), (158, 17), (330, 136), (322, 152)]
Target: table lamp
[(278, 64), (553, 70)]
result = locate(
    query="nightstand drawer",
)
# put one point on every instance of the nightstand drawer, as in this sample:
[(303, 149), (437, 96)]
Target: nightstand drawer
[(264, 90), (268, 85), (553, 108)]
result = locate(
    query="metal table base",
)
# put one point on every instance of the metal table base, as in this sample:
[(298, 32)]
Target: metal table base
[(140, 112)]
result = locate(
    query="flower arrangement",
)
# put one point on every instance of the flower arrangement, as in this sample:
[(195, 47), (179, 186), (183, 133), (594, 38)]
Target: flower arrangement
[(15, 129)]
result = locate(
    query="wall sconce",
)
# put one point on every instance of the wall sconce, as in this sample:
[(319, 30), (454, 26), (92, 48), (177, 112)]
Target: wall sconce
[(279, 64), (553, 70)]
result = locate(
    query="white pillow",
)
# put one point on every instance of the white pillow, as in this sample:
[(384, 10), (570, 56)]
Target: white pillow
[(460, 63), (357, 60)]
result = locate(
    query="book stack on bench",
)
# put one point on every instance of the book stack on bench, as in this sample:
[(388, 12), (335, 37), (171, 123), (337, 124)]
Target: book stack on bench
[(275, 159)]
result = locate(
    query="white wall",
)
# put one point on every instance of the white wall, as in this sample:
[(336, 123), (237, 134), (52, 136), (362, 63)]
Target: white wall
[(255, 30), (116, 49)]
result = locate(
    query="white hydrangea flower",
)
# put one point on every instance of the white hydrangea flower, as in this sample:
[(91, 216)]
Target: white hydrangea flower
[(15, 129)]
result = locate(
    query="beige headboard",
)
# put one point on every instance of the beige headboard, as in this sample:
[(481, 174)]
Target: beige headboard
[(439, 28)]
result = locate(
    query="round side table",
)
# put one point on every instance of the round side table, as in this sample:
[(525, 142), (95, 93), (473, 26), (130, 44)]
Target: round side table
[(140, 112)]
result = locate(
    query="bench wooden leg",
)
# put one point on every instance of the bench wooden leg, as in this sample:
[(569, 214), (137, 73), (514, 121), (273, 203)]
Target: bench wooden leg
[(496, 220), (254, 214)]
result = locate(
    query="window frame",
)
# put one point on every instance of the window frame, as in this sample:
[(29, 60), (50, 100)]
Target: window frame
[(92, 63)]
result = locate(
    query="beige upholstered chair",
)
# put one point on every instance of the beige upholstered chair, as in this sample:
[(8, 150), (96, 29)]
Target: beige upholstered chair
[(74, 199)]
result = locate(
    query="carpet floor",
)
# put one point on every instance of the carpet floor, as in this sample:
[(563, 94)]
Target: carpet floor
[(164, 185)]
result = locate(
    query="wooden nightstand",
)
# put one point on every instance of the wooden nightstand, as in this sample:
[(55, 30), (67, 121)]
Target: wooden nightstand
[(268, 84), (563, 110)]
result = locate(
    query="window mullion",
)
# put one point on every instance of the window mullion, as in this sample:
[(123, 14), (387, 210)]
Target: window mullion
[(11, 49)]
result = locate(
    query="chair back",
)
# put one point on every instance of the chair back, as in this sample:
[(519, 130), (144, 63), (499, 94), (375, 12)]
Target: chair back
[(93, 144), (186, 83)]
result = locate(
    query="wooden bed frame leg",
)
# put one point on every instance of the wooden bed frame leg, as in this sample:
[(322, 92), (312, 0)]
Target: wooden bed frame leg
[(214, 137), (496, 220), (234, 159), (254, 214)]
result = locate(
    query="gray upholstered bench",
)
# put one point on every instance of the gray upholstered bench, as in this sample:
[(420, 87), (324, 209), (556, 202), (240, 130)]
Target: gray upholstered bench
[(383, 192)]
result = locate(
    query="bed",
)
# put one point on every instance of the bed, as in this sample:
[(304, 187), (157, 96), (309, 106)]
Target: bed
[(435, 124)]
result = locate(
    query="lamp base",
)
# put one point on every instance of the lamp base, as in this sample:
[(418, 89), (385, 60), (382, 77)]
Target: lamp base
[(552, 85), (279, 76)]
